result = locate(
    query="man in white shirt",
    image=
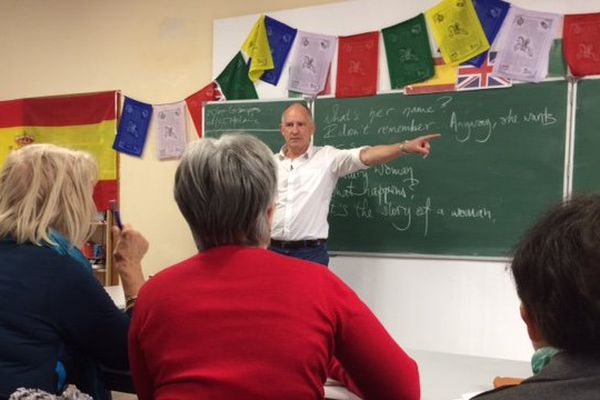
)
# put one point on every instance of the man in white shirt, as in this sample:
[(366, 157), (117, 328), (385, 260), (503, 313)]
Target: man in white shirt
[(307, 177)]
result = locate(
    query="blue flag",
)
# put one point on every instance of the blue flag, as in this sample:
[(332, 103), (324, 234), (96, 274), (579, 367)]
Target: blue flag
[(281, 37), (133, 127), (491, 14)]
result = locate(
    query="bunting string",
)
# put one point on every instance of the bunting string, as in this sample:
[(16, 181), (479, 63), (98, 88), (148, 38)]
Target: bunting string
[(525, 46)]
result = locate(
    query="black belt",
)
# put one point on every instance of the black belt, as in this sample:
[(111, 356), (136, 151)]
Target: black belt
[(297, 244)]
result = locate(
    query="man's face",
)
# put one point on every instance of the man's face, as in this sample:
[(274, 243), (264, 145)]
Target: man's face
[(297, 127)]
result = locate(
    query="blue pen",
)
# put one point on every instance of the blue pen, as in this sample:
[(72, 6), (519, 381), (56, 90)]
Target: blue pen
[(116, 213)]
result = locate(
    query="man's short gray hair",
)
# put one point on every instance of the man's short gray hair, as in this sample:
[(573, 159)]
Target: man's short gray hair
[(224, 188)]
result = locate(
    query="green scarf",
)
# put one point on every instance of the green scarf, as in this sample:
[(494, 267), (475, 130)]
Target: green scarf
[(542, 357)]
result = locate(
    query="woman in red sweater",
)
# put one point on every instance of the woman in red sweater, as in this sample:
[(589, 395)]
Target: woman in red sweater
[(237, 321)]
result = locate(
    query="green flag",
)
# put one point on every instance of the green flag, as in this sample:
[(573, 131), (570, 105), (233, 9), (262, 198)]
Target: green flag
[(408, 52), (234, 81), (556, 64)]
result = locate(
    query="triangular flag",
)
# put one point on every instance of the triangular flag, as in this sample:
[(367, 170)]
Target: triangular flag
[(457, 30), (524, 44), (256, 46), (581, 36), (195, 102), (133, 127), (171, 132), (408, 52), (444, 80), (310, 64), (281, 37), (491, 14), (357, 65), (234, 81)]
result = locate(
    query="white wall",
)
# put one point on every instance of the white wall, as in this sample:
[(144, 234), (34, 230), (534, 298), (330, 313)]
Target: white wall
[(455, 306), (156, 51)]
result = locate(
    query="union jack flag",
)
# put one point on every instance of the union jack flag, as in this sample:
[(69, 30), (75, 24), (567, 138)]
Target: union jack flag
[(475, 78)]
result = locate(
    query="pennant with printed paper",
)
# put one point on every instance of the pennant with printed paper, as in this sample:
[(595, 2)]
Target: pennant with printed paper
[(133, 127), (524, 44), (256, 47), (491, 14), (457, 30), (408, 52), (309, 66), (171, 132), (195, 102), (234, 81), (281, 37), (471, 77), (444, 80), (357, 65), (325, 92), (81, 122), (581, 37)]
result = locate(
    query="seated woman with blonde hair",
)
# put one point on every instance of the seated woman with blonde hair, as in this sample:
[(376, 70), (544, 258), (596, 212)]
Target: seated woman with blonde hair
[(237, 321), (54, 315)]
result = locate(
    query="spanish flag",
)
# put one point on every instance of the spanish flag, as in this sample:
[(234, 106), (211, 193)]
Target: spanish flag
[(81, 122)]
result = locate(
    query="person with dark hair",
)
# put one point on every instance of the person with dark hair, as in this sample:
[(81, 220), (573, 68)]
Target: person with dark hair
[(556, 268), (237, 321), (307, 178)]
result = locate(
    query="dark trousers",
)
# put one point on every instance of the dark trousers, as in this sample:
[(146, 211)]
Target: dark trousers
[(316, 254)]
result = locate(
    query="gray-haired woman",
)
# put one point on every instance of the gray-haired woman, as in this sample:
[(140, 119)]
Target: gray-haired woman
[(237, 321)]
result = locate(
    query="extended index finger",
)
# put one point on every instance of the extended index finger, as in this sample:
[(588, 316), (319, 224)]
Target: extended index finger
[(431, 136)]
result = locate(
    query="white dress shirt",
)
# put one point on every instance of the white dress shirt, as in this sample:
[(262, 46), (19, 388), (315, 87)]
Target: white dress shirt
[(304, 189)]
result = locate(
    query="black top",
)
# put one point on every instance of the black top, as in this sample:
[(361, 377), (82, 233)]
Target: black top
[(567, 376), (50, 305)]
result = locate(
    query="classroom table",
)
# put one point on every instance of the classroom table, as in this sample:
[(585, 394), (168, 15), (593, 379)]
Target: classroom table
[(444, 376)]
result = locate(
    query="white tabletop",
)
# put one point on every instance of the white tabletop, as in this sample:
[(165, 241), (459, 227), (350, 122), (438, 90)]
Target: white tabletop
[(446, 376)]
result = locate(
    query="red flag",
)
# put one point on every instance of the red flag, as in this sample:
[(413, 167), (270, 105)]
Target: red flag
[(581, 43), (357, 65), (195, 102)]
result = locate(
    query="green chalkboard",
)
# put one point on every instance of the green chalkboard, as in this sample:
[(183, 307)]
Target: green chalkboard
[(499, 164), (259, 118), (586, 165)]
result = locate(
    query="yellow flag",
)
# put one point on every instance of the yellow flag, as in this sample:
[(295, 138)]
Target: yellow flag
[(457, 30), (444, 80), (257, 48)]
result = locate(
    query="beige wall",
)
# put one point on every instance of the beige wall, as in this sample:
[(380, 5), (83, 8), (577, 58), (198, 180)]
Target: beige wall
[(156, 51)]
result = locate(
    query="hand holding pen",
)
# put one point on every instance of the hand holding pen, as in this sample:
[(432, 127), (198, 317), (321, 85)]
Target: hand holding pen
[(116, 214)]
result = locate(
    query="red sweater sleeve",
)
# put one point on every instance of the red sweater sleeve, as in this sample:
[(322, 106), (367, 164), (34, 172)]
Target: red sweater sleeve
[(378, 367), (337, 372), (140, 375)]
